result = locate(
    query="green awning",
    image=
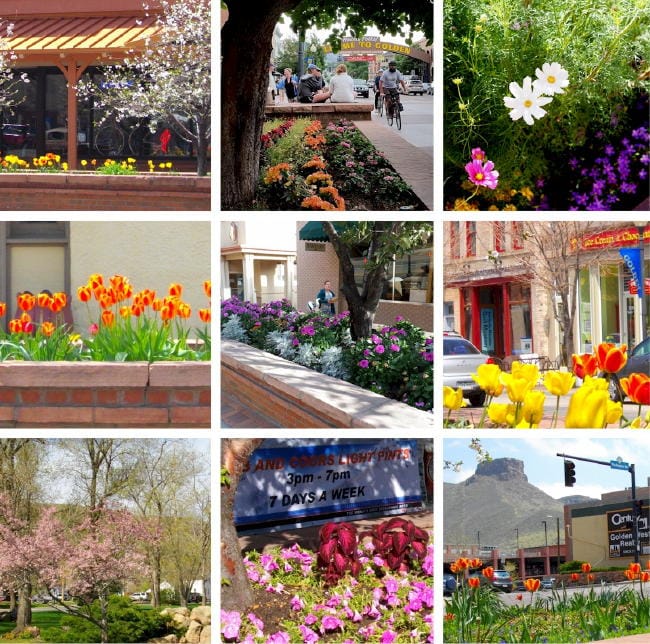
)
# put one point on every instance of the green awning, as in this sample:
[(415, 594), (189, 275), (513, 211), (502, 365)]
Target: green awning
[(313, 230)]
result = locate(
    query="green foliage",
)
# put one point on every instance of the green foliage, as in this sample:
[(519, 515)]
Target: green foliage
[(60, 345), (126, 623)]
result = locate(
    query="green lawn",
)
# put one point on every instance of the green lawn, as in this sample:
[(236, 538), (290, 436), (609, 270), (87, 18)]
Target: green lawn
[(40, 619)]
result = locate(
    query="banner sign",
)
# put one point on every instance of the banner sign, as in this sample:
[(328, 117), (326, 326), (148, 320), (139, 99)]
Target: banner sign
[(611, 239), (620, 536), (633, 258), (377, 46), (313, 483)]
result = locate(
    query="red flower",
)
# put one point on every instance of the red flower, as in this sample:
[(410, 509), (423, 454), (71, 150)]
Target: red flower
[(532, 584), (474, 582), (637, 387), (584, 365), (610, 357), (586, 567)]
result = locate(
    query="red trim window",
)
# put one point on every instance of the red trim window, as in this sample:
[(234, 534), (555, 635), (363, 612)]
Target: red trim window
[(470, 239), (454, 239), (517, 235), (499, 236)]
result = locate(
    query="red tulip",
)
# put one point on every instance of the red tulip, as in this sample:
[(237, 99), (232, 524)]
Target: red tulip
[(610, 357), (637, 387), (584, 365)]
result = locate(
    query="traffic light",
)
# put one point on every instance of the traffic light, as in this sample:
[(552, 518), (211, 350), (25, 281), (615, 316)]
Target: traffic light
[(569, 473)]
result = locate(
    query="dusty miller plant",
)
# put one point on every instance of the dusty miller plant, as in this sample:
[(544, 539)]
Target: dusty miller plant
[(172, 74), (332, 363), (280, 342), (233, 330)]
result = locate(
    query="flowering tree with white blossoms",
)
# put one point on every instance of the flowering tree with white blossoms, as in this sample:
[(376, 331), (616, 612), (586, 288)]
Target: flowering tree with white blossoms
[(9, 79), (169, 78)]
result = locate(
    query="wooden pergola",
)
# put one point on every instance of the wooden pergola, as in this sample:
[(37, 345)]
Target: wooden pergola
[(73, 35)]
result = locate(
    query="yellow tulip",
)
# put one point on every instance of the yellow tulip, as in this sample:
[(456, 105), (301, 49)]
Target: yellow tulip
[(517, 388), (559, 383), (636, 423), (533, 408), (453, 398), (487, 377), (501, 413), (526, 371), (614, 411), (588, 407)]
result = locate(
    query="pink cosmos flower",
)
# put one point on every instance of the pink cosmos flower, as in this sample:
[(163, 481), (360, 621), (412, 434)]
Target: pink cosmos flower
[(482, 175), (478, 154)]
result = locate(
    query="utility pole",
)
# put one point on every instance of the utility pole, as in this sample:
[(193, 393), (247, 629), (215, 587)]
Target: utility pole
[(558, 544)]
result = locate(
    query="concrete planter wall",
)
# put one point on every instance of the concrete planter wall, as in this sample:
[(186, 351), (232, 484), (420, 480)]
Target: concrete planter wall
[(104, 394), (92, 191), (293, 396)]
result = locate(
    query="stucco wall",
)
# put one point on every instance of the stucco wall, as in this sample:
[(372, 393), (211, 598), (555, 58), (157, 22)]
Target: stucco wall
[(151, 254)]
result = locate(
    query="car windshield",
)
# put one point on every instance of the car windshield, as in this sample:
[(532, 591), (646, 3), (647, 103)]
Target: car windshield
[(503, 574), (457, 346), (642, 349)]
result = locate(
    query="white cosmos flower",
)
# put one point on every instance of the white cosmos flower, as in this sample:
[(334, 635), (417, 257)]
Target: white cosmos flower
[(527, 101), (551, 79)]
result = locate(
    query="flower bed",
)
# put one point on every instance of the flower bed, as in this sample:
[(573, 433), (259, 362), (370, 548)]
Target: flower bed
[(374, 601), (310, 167), (396, 361), (590, 406), (562, 116)]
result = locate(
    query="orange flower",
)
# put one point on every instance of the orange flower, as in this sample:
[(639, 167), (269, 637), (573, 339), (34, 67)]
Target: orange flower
[(575, 576), (184, 310), (108, 318), (59, 300), (590, 578), (630, 575), (47, 328), (205, 315), (474, 582), (635, 568), (137, 309), (449, 617), (586, 567), (3, 309), (519, 597), (475, 563), (95, 281), (645, 576), (43, 300), (125, 311), (532, 584), (15, 326), (207, 288), (157, 303), (488, 572), (84, 293), (584, 365), (147, 296), (610, 357), (175, 290), (637, 387), (106, 300), (461, 564), (26, 301)]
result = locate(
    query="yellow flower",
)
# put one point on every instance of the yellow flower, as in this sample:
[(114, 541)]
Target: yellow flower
[(588, 406), (517, 387), (533, 408), (636, 423), (84, 163), (559, 383), (501, 413), (453, 398), (488, 378), (525, 370), (457, 81), (614, 411), (527, 193), (168, 164), (131, 160)]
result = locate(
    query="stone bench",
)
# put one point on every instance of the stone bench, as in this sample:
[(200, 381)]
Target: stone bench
[(324, 112)]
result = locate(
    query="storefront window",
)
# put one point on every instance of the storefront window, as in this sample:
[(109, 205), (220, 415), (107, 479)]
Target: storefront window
[(609, 304), (586, 341), (521, 328), (470, 238)]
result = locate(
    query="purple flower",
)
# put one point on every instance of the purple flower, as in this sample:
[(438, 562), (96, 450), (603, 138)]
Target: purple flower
[(375, 338), (380, 348), (297, 603), (394, 347), (391, 585), (330, 623), (307, 330), (387, 637), (268, 563), (367, 352), (307, 634), (419, 403), (281, 637), (295, 342), (364, 364), (399, 318), (230, 623), (255, 621), (310, 619)]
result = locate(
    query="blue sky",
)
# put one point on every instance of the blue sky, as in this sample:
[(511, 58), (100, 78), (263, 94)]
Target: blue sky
[(545, 470)]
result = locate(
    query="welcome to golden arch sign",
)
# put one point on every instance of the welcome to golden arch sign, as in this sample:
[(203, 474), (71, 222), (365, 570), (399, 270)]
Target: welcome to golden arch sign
[(376, 46)]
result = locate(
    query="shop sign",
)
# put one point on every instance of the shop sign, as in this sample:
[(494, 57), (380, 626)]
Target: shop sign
[(620, 536), (308, 483), (611, 239)]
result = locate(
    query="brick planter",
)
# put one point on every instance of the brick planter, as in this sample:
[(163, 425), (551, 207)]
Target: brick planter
[(92, 191), (293, 396), (104, 394)]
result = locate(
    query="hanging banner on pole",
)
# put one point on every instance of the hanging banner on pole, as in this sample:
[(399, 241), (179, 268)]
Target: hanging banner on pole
[(307, 483), (633, 258)]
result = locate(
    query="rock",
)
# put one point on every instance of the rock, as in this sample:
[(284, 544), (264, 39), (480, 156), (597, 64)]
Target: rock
[(193, 634), (180, 617), (32, 631), (502, 469), (168, 639), (206, 635), (202, 614)]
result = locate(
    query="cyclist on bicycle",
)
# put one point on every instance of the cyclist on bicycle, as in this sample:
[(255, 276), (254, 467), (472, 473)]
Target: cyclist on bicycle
[(389, 82)]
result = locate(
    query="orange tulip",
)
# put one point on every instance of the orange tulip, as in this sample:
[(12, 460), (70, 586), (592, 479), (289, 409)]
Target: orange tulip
[(108, 318), (15, 326), (635, 568), (95, 281), (474, 582), (106, 301), (59, 300), (84, 293), (47, 328), (637, 387), (645, 576), (137, 309), (147, 296), (461, 564), (610, 357), (205, 315), (629, 575), (157, 303), (175, 289), (575, 576), (586, 567), (3, 309), (125, 311), (207, 288), (44, 300), (590, 578), (584, 365), (475, 563), (488, 572), (26, 301), (532, 584)]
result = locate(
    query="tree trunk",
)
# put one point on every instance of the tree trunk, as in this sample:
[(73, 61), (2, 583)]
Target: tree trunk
[(202, 149), (103, 627), (244, 81), (155, 586), (24, 614), (236, 590)]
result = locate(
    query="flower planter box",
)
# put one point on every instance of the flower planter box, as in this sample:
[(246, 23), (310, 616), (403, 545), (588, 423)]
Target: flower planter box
[(30, 190), (293, 396), (104, 394), (325, 112)]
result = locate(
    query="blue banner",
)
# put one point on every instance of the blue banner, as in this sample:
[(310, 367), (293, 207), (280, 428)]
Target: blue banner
[(633, 258)]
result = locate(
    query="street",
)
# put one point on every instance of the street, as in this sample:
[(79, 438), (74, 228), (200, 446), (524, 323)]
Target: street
[(417, 120)]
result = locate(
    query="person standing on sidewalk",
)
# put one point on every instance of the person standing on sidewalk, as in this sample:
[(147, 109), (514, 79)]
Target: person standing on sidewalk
[(326, 297), (390, 81)]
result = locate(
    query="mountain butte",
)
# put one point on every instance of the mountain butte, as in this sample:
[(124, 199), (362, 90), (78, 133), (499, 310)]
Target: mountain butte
[(497, 499)]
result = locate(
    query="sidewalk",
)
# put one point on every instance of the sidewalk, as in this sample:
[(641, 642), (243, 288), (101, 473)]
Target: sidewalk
[(308, 537), (413, 165)]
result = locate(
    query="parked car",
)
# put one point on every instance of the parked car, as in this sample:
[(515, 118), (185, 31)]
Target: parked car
[(449, 584), (16, 135), (414, 85), (460, 359), (139, 597), (194, 598), (548, 583), (361, 87), (502, 580), (427, 87), (638, 361), (519, 586), (56, 139)]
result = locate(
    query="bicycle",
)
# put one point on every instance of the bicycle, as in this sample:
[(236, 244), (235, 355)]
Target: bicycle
[(393, 112), (380, 105)]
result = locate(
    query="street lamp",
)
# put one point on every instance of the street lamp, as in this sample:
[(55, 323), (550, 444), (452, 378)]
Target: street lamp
[(558, 544), (547, 562)]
